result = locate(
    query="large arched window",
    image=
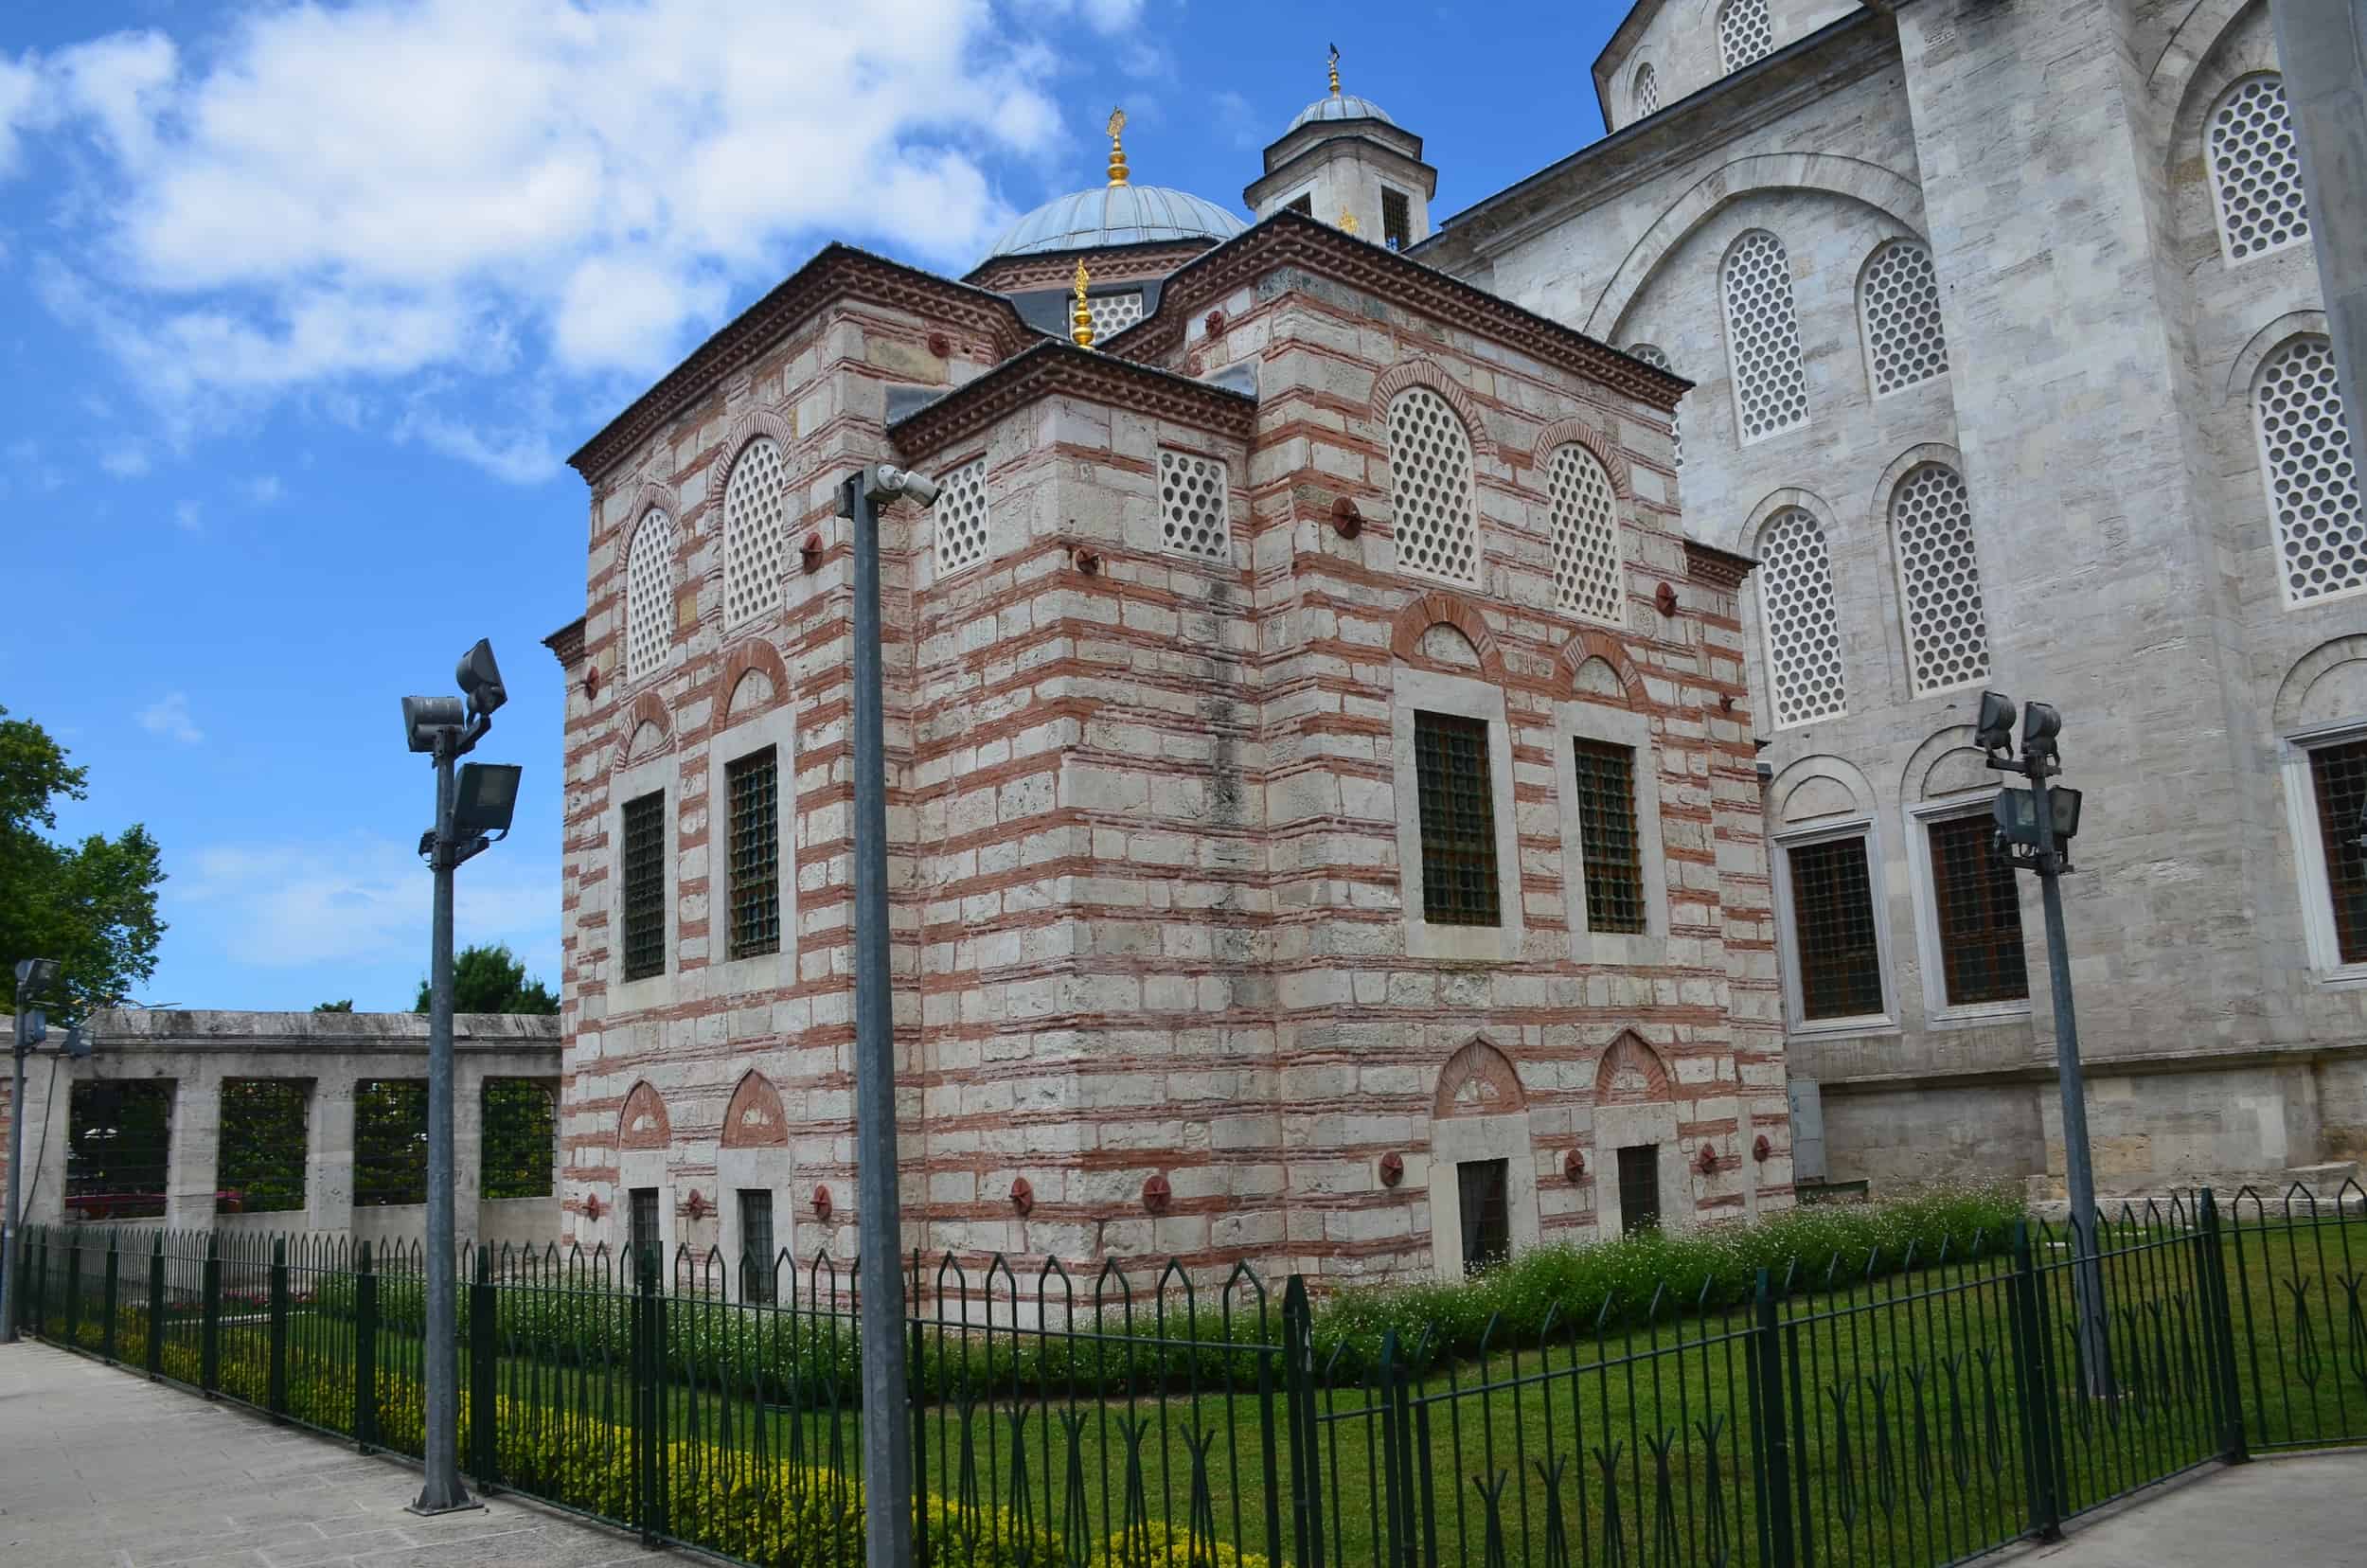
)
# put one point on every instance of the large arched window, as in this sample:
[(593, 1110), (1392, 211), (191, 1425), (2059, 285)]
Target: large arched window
[(1650, 354), (755, 515), (1430, 486), (2255, 170), (1939, 579), (1745, 32), (1644, 97), (648, 594), (1586, 535), (1899, 298), (2313, 486), (1763, 337), (1803, 628)]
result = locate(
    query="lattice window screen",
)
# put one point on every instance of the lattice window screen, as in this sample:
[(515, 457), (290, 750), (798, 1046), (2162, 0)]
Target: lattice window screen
[(1745, 32), (648, 596), (755, 515), (1646, 94), (1429, 486), (2313, 488), (1112, 311), (2339, 775), (2256, 170), (1900, 300), (1650, 354), (1803, 629), (1939, 579), (1763, 337), (1586, 535), (961, 518), (1192, 506)]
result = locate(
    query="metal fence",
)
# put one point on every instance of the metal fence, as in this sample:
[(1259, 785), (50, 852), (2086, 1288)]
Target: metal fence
[(1918, 1412)]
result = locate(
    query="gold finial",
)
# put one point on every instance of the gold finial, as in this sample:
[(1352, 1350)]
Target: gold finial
[(1081, 322), (1347, 222), (1117, 149), (1335, 70)]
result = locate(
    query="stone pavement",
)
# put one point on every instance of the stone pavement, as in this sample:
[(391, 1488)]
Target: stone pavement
[(2306, 1511), (102, 1469)]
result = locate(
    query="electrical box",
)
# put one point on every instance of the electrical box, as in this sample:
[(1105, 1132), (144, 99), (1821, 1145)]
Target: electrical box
[(1808, 1130)]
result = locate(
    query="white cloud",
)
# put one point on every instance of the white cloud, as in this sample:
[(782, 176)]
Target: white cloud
[(169, 719), (124, 462), (262, 490), (188, 516)]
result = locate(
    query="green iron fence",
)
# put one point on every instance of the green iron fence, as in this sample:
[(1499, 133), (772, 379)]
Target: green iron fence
[(1915, 1412)]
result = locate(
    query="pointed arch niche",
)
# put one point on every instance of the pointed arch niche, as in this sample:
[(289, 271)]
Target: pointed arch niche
[(643, 1135), (1479, 1113), (753, 1159), (1635, 1107)]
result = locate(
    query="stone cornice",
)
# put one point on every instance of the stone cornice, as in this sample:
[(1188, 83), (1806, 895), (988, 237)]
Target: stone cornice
[(1293, 239), (566, 644), (1707, 563), (1051, 369), (839, 272)]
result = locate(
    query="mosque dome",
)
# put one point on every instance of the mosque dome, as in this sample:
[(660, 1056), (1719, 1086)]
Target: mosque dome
[(1116, 215), (1337, 105)]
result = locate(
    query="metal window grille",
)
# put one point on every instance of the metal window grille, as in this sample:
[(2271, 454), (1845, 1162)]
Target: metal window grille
[(1639, 1188), (756, 1244), (2339, 774), (1396, 219), (1832, 915), (260, 1159), (1458, 821), (521, 1138), (118, 1141), (753, 786), (645, 1238), (1980, 914), (390, 1142), (643, 875), (1305, 206), (1482, 1187), (1607, 837)]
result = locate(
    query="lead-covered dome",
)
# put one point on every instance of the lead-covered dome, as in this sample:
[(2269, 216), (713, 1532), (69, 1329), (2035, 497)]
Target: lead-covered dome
[(1116, 215), (1339, 106)]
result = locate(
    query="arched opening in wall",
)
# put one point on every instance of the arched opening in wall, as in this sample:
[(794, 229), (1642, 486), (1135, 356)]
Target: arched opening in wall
[(1483, 1163), (2306, 460), (1651, 354), (1939, 579), (755, 522), (753, 1187), (1641, 1179), (1589, 570), (1771, 378), (1746, 32), (650, 595), (1800, 618), (1430, 486), (1644, 97), (2255, 170), (643, 1204), (1898, 307)]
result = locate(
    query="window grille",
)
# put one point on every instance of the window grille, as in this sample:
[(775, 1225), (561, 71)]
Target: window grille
[(1980, 914), (1639, 1188), (1458, 821), (1745, 32), (1763, 338), (1939, 579), (1396, 219), (753, 784), (1832, 930), (1646, 94), (961, 518), (1192, 505), (650, 595), (1304, 205), (2313, 489), (756, 1244), (1803, 628), (643, 879), (2257, 171), (1429, 486), (1484, 1192), (520, 1143), (118, 1145), (755, 515), (645, 1238), (1607, 843), (1110, 313), (1899, 299), (1650, 354), (390, 1142), (1587, 576), (2339, 774), (260, 1153)]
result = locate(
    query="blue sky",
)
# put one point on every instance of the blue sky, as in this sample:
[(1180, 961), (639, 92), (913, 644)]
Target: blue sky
[(302, 307)]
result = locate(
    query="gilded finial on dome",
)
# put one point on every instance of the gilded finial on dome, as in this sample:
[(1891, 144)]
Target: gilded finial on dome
[(1347, 222), (1335, 69), (1081, 322), (1117, 149)]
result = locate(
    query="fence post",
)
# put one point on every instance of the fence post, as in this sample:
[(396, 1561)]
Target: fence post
[(39, 1283), (276, 1383), (74, 1294), (1398, 1539), (365, 1353), (209, 1319), (483, 1449), (1773, 1481), (1298, 1405), (156, 1310), (646, 1347), (2220, 1311), (2041, 1429), (107, 1297)]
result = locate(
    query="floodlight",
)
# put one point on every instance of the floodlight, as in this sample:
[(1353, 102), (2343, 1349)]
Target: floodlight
[(2063, 805), (1995, 731), (889, 483), (33, 975), (78, 1044), (488, 796), (36, 1025), (2016, 813), (480, 679), (422, 717), (2039, 725)]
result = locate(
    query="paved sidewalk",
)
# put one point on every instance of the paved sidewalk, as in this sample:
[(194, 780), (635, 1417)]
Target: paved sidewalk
[(102, 1469), (2308, 1512)]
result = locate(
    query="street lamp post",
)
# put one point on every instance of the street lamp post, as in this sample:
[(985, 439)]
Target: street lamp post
[(2041, 822), (473, 813), (879, 1248), (33, 976)]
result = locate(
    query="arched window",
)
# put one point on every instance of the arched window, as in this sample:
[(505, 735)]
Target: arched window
[(1939, 579), (1803, 630), (1650, 354), (2313, 488), (1744, 32), (1898, 298), (1430, 486), (1644, 96), (2255, 170), (648, 594), (1763, 338), (1587, 576), (960, 517), (755, 516)]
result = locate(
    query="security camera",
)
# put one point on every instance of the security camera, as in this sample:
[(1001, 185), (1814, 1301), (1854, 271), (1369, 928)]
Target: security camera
[(887, 484)]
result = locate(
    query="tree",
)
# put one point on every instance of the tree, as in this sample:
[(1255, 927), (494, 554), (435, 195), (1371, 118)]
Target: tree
[(346, 1006), (91, 905), (492, 979)]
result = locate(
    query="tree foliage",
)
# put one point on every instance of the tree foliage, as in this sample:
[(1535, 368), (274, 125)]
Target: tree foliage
[(492, 979), (345, 1006), (90, 905)]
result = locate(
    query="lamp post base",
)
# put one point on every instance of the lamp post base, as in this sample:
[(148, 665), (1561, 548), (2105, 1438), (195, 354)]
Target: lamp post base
[(426, 1509)]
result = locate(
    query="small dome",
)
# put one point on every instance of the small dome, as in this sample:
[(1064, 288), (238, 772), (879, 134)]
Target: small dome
[(1116, 215), (1339, 106)]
